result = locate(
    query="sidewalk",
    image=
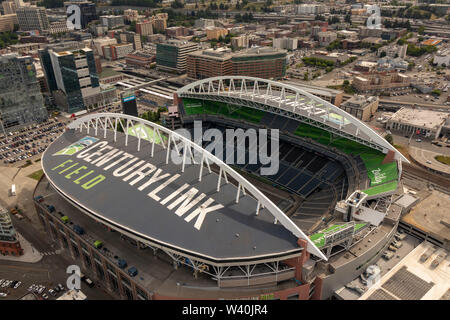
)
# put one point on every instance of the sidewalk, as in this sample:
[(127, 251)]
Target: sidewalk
[(30, 254)]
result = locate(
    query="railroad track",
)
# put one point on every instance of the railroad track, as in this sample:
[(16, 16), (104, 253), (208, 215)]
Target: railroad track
[(412, 176)]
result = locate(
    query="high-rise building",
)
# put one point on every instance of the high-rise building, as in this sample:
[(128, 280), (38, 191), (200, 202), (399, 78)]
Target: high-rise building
[(21, 101), (32, 18), (9, 7), (160, 22), (9, 245), (7, 22), (71, 77), (172, 55), (87, 9), (144, 28), (131, 15)]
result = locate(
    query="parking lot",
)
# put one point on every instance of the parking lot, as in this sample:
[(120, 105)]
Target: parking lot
[(29, 142), (41, 277)]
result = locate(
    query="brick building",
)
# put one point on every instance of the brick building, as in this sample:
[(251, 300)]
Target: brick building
[(9, 245)]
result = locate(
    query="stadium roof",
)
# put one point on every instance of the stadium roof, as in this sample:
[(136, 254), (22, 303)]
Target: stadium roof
[(289, 101), (125, 181)]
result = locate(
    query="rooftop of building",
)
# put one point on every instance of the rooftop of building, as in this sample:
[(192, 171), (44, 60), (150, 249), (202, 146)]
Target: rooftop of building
[(178, 43), (359, 101), (415, 279), (73, 295), (238, 232), (221, 53), (258, 51), (431, 215), (155, 272), (420, 118)]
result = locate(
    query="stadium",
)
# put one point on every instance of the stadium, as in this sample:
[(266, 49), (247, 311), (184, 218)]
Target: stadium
[(206, 228)]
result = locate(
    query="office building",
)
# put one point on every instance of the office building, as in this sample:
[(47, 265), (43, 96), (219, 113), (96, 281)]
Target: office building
[(285, 43), (99, 43), (209, 63), (381, 82), (128, 37), (255, 62), (214, 33), (58, 27), (9, 7), (32, 18), (144, 28), (117, 51), (71, 77), (21, 101), (140, 59), (7, 22), (325, 38), (160, 22), (112, 22), (240, 42), (131, 15), (9, 245), (311, 9), (361, 107), (265, 62), (172, 56)]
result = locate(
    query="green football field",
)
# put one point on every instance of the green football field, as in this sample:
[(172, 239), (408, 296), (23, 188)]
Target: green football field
[(145, 132)]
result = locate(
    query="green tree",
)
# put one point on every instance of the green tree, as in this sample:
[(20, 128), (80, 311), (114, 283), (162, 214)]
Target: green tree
[(389, 138)]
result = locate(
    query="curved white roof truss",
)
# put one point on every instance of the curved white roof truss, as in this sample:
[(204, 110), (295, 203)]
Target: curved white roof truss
[(102, 122), (289, 101)]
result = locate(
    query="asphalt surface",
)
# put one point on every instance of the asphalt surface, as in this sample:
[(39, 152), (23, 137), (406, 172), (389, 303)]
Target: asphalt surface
[(48, 272)]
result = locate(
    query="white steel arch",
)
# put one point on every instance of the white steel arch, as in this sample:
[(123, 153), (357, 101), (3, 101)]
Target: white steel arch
[(111, 121), (289, 101)]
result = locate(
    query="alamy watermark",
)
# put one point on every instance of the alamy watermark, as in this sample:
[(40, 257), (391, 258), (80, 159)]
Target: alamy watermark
[(233, 146), (374, 20), (74, 280), (73, 17)]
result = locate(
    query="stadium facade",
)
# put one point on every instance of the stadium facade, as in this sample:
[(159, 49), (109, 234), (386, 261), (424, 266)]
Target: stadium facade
[(300, 233)]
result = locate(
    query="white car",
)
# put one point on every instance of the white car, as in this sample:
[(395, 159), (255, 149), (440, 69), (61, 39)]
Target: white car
[(17, 285), (3, 295)]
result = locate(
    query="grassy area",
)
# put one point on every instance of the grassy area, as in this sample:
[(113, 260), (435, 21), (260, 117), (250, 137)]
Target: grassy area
[(378, 173), (386, 187), (36, 175), (193, 106), (443, 159)]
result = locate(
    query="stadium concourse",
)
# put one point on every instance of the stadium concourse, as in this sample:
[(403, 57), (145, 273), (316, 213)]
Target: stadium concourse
[(204, 216)]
